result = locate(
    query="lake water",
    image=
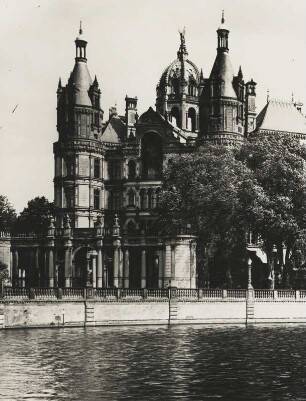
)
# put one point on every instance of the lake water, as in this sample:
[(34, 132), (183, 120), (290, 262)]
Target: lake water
[(154, 363)]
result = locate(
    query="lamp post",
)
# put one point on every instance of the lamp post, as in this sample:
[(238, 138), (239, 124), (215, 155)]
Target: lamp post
[(250, 287)]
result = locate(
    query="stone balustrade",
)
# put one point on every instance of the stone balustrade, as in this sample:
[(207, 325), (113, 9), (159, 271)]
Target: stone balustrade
[(126, 294)]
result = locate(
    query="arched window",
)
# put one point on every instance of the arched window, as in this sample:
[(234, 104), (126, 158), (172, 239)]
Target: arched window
[(176, 117), (131, 198), (152, 156), (142, 199), (131, 227), (192, 86), (192, 119), (131, 170), (175, 86)]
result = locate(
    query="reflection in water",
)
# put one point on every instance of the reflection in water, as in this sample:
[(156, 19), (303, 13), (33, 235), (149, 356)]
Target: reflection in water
[(154, 363)]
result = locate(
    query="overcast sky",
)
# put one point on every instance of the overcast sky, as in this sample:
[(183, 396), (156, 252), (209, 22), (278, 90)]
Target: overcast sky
[(130, 43)]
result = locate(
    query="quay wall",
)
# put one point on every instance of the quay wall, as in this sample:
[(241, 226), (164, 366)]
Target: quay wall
[(22, 308)]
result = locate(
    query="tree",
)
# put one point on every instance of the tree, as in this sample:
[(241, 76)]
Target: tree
[(278, 164), (7, 214), (218, 195), (35, 217)]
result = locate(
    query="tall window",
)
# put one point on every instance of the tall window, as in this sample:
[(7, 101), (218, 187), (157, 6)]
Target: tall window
[(114, 169), (151, 155), (96, 198), (69, 196), (131, 198), (97, 167), (132, 170), (69, 166), (114, 200)]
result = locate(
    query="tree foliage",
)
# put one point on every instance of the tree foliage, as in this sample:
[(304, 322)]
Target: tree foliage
[(35, 217), (7, 214), (223, 193)]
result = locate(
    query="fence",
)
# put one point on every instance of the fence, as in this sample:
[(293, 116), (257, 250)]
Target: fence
[(126, 294)]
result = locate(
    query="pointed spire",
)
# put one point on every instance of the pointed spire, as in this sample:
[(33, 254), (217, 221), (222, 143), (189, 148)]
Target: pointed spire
[(240, 75), (222, 36), (95, 82), (182, 52), (59, 86), (80, 44)]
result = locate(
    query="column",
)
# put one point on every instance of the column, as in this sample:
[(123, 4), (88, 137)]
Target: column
[(100, 269), (37, 270), (68, 267), (146, 200), (126, 280), (160, 269), (116, 262), (88, 280), (15, 268), (143, 269), (94, 271), (173, 283), (120, 273), (51, 268), (167, 266)]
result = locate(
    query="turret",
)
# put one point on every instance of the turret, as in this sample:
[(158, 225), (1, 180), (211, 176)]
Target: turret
[(79, 153), (131, 116), (250, 107)]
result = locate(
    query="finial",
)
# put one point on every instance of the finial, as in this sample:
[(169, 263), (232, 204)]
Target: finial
[(268, 95), (80, 30), (222, 19), (182, 36), (292, 97)]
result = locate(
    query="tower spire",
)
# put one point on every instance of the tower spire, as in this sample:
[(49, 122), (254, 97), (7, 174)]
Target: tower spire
[(222, 36), (80, 44)]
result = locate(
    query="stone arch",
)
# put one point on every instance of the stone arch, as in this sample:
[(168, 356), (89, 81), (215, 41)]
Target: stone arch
[(176, 116), (151, 155), (82, 259), (192, 119)]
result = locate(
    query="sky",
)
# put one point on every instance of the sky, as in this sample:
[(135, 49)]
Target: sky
[(130, 43)]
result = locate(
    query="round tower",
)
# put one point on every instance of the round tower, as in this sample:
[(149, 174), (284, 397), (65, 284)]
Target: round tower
[(223, 97), (79, 153)]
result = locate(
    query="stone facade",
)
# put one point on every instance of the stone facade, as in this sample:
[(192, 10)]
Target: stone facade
[(108, 176)]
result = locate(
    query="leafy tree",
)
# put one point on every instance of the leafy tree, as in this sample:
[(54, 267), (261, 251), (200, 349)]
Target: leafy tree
[(7, 214), (218, 195), (35, 217), (278, 165)]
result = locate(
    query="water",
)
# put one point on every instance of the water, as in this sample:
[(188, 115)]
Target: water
[(154, 363)]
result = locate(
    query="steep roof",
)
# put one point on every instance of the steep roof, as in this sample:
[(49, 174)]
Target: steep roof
[(114, 131), (82, 80), (281, 116), (223, 69)]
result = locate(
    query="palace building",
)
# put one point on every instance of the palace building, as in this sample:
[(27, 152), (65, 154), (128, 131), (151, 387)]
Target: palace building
[(108, 173)]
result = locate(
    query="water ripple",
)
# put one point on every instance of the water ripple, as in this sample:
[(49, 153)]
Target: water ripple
[(154, 363)]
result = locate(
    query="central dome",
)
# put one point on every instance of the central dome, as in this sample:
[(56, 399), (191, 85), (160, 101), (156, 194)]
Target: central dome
[(179, 73)]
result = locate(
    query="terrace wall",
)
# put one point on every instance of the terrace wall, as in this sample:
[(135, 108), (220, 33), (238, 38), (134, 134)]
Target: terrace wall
[(39, 307)]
